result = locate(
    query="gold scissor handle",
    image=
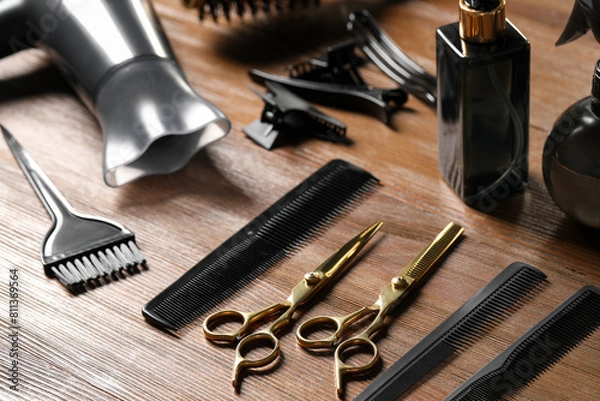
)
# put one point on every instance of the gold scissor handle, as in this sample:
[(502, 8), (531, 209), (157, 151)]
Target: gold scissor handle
[(260, 339), (360, 344), (325, 324), (244, 320), (312, 282)]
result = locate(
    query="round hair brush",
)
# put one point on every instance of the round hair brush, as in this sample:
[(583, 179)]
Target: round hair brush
[(225, 8)]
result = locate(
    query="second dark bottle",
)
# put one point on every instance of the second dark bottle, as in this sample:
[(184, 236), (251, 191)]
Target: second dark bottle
[(483, 68)]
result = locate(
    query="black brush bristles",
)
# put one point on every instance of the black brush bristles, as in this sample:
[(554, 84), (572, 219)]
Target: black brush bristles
[(472, 320), (536, 351), (224, 8), (276, 233)]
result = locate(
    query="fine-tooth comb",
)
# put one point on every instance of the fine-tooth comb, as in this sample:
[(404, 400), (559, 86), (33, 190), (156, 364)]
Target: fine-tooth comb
[(280, 230), (225, 8), (536, 351), (78, 250), (476, 316)]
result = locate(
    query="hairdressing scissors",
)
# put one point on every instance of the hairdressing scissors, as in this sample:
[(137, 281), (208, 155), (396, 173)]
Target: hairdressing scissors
[(390, 296), (312, 282)]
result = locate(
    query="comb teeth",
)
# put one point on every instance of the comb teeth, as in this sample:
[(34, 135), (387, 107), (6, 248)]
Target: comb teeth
[(508, 297), (538, 349), (225, 8), (276, 233), (105, 264)]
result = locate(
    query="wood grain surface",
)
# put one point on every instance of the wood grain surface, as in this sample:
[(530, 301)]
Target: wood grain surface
[(97, 346)]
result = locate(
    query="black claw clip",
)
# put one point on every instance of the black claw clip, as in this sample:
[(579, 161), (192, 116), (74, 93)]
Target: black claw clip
[(333, 80), (339, 65), (285, 112)]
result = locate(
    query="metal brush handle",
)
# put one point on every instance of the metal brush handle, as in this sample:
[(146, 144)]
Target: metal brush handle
[(54, 202)]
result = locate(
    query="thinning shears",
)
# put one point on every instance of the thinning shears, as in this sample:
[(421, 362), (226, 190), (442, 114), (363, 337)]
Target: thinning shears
[(391, 295), (312, 282)]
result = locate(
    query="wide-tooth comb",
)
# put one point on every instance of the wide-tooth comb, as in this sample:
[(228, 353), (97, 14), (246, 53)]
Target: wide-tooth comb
[(225, 8), (78, 250), (392, 60), (280, 230), (476, 316), (536, 351)]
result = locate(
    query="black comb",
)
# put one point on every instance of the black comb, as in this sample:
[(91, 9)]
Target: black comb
[(225, 8), (537, 350), (280, 230), (474, 318)]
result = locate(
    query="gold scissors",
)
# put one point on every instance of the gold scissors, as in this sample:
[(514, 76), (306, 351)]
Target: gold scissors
[(390, 296), (301, 294)]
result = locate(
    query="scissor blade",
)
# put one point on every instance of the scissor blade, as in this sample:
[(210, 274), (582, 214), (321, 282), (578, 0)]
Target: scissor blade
[(421, 264), (335, 264)]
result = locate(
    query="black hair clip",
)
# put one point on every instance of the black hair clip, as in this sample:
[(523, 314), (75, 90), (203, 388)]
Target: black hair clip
[(390, 59), (380, 103), (286, 112), (339, 65), (333, 80)]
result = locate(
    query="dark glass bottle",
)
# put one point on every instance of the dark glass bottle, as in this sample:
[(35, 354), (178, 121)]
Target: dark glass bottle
[(483, 65), (571, 158)]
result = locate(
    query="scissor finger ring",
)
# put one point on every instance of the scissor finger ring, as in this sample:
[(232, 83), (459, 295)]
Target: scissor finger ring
[(352, 347), (261, 339), (216, 326), (319, 324), (356, 346)]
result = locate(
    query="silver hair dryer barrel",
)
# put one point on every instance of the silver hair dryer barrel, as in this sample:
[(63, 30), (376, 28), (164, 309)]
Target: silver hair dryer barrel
[(119, 61)]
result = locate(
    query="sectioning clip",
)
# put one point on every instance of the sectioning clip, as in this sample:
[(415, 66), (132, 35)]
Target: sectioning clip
[(386, 54), (339, 65), (380, 103), (333, 79), (286, 112)]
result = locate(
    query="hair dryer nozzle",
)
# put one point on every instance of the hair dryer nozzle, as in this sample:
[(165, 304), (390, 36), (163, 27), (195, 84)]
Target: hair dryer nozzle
[(153, 122), (119, 60)]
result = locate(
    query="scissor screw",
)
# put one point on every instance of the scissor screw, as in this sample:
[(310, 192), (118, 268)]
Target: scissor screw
[(313, 277), (399, 282)]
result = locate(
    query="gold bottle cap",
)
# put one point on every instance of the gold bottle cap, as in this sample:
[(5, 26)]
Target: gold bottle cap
[(481, 26)]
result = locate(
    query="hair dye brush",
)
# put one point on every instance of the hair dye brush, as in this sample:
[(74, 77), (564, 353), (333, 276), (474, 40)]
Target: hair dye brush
[(118, 59), (225, 8)]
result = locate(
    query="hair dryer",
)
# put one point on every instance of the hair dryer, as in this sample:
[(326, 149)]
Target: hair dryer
[(119, 61)]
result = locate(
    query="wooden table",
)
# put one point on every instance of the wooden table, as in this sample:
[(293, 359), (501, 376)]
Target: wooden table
[(97, 346)]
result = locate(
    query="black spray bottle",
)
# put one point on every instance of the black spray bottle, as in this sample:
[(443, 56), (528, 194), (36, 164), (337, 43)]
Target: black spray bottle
[(571, 158), (483, 65)]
